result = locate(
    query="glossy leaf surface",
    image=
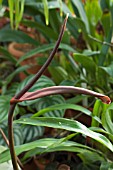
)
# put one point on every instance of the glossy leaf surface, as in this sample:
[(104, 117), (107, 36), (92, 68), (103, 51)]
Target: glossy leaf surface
[(67, 124)]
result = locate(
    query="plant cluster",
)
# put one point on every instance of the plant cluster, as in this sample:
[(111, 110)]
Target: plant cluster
[(38, 104)]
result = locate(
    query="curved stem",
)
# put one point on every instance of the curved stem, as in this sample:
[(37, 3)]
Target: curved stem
[(40, 72), (24, 90)]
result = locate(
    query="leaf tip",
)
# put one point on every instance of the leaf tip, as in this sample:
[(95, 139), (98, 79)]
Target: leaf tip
[(105, 99)]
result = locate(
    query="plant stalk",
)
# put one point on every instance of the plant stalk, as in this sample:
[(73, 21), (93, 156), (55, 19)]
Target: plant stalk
[(11, 136), (25, 89)]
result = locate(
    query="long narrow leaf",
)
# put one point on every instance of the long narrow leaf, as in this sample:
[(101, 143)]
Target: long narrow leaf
[(82, 13), (17, 13), (7, 55), (21, 10), (96, 112), (17, 71), (42, 144), (66, 106), (16, 36), (44, 48), (67, 124), (46, 11), (11, 6)]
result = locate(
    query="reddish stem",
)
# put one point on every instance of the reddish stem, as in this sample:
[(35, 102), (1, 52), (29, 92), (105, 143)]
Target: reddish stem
[(23, 91)]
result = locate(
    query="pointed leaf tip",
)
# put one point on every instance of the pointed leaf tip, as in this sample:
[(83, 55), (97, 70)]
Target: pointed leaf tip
[(105, 99)]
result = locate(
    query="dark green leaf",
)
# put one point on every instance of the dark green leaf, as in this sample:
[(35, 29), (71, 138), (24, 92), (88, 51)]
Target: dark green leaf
[(79, 5), (16, 36), (16, 71), (7, 55)]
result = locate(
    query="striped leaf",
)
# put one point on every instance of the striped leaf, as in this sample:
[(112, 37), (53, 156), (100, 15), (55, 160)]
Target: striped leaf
[(41, 83), (30, 133), (12, 89), (51, 101), (4, 107), (18, 134)]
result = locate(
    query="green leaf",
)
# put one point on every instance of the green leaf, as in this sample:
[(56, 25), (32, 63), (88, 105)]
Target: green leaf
[(93, 12), (87, 63), (37, 6), (16, 71), (4, 108), (43, 49), (73, 27), (12, 89), (16, 36), (58, 73), (89, 157), (47, 31), (76, 99), (54, 20), (67, 124), (107, 118), (67, 83), (108, 69), (106, 166), (102, 82), (105, 48), (29, 132), (41, 83), (60, 3), (82, 13), (90, 52), (7, 55), (6, 165), (19, 10), (96, 112), (46, 11), (100, 130), (18, 135), (105, 4), (46, 103), (106, 22), (63, 107), (2, 148), (40, 145), (11, 13)]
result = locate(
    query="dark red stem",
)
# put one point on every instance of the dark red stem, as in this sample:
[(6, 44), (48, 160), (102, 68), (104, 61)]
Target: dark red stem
[(23, 91)]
